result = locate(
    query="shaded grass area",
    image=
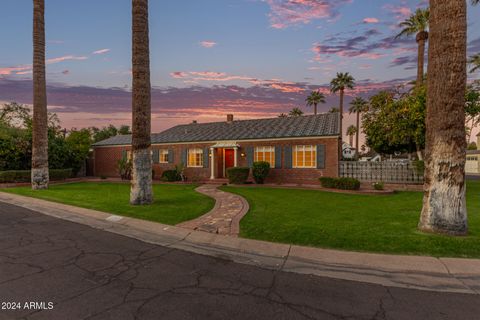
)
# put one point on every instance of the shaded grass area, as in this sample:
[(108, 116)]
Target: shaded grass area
[(173, 203), (380, 223)]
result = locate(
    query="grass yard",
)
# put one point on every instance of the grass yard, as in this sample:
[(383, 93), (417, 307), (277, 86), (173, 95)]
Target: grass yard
[(173, 203), (383, 223)]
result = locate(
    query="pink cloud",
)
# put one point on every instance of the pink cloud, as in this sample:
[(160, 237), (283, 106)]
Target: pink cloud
[(65, 58), (371, 20), (286, 88), (192, 77), (284, 13), (26, 69), (15, 70), (101, 51), (208, 44), (400, 12)]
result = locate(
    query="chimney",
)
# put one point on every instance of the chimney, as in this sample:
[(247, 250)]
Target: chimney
[(229, 118)]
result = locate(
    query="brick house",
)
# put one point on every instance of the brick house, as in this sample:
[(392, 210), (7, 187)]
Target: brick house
[(299, 149)]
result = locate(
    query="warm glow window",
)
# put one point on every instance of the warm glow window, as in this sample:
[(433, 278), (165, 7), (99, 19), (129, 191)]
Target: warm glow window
[(195, 157), (163, 156), (304, 156), (265, 154)]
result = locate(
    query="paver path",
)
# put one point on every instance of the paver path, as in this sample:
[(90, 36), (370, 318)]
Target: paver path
[(225, 216)]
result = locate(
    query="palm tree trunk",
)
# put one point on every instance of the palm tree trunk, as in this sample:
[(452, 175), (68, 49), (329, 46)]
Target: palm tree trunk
[(350, 139), (357, 134), (141, 184), (444, 207), (422, 36), (315, 108), (40, 175)]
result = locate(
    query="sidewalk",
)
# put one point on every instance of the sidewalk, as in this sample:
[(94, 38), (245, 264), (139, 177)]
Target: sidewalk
[(415, 272)]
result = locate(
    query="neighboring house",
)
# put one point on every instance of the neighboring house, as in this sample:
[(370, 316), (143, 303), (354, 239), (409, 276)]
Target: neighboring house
[(299, 149), (472, 165), (348, 152)]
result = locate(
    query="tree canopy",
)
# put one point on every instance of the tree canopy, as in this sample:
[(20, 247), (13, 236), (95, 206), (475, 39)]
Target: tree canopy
[(395, 122)]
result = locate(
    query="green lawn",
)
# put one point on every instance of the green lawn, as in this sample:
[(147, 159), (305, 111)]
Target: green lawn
[(383, 223), (173, 203)]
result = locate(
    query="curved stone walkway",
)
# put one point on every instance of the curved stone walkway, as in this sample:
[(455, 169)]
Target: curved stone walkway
[(225, 216)]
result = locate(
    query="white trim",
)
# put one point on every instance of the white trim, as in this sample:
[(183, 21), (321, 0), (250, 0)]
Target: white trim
[(214, 141), (294, 153), (263, 149), (201, 157), (235, 152), (160, 156), (223, 152), (212, 164)]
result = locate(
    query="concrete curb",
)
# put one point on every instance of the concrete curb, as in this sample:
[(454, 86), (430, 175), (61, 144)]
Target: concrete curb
[(415, 272)]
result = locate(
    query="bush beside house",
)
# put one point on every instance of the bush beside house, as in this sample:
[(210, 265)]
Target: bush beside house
[(340, 183), (260, 171), (238, 175)]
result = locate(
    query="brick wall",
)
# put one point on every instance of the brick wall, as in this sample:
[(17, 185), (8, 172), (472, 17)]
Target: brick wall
[(106, 159)]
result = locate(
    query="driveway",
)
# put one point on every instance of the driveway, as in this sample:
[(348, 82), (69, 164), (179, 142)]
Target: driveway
[(73, 272)]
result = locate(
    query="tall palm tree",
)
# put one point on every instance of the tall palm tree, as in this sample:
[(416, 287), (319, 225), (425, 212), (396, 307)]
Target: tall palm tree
[(358, 105), (339, 84), (351, 131), (295, 112), (314, 99), (417, 24), (475, 62), (40, 176), (444, 207), (141, 185)]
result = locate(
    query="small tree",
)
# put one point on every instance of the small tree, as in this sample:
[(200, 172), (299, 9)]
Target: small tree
[(125, 168)]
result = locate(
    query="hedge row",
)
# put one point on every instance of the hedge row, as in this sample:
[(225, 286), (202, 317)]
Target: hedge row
[(340, 183), (25, 175)]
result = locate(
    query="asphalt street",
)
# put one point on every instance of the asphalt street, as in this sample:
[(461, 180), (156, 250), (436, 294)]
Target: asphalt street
[(55, 269)]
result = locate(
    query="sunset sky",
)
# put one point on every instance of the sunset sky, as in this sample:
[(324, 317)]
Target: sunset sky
[(252, 58)]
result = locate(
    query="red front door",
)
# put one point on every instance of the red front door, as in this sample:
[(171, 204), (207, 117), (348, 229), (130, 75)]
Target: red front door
[(229, 158)]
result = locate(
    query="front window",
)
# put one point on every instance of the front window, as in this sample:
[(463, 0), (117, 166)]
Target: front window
[(304, 156), (163, 156), (195, 157), (265, 154)]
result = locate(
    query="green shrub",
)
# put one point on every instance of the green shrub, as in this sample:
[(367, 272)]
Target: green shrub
[(260, 171), (170, 176), (328, 182), (60, 174), (125, 168), (340, 183), (25, 175), (238, 175), (378, 185), (348, 184)]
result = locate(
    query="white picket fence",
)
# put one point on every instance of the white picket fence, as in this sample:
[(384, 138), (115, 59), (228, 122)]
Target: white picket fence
[(386, 171)]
